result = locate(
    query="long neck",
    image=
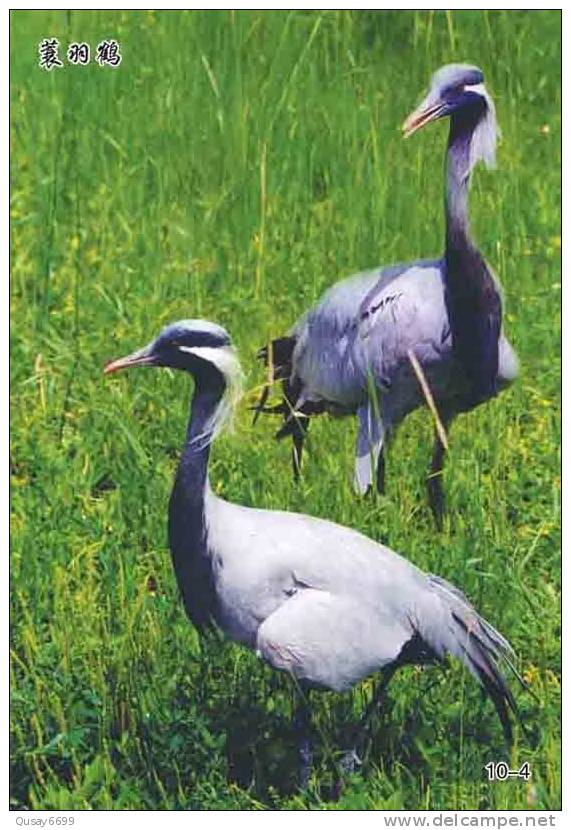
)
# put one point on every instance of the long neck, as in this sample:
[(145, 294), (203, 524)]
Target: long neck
[(192, 474), (462, 126), (187, 524), (472, 298)]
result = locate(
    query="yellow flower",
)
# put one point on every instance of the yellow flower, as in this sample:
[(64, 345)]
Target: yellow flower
[(531, 674), (551, 678)]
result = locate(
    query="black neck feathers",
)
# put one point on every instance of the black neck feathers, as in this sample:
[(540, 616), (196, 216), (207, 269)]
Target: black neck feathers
[(187, 523), (472, 297)]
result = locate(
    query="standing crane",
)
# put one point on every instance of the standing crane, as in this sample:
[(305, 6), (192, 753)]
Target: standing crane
[(314, 599), (353, 352)]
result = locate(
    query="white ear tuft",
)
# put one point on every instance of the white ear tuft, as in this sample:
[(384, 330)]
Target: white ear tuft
[(225, 359), (484, 139)]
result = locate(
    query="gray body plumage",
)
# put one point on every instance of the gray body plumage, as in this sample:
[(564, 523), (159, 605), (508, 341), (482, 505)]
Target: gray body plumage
[(327, 604), (363, 328)]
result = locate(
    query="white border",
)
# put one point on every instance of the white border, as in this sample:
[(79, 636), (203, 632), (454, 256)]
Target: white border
[(140, 820)]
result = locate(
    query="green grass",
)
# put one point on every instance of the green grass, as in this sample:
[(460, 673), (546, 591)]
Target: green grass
[(233, 167)]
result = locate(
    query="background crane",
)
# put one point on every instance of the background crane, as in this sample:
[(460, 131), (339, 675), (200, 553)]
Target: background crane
[(350, 353)]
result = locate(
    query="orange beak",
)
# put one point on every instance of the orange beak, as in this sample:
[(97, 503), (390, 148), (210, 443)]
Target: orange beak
[(143, 357), (424, 114)]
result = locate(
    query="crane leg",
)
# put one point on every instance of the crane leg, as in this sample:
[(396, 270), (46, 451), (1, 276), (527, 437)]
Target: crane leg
[(298, 437), (434, 484), (369, 458), (352, 757), (302, 728), (381, 461)]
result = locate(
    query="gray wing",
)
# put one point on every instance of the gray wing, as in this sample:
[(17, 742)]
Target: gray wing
[(330, 606), (407, 312), (401, 313), (322, 358), (263, 557), (297, 638), (364, 326)]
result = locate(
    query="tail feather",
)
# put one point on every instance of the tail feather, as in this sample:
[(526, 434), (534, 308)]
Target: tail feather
[(277, 356), (295, 410), (493, 637), (481, 661), (278, 359), (498, 697), (463, 633)]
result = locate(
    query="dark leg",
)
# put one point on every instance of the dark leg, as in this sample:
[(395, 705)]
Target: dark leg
[(260, 406), (381, 472), (435, 488), (302, 728), (388, 434), (351, 757), (298, 437)]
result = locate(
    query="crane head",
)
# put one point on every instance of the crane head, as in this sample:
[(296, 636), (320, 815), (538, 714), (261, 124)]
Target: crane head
[(459, 88), (452, 88), (184, 345), (204, 350)]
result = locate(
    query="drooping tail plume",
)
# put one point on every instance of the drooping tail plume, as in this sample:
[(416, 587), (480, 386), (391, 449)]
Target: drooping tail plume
[(278, 359), (460, 631)]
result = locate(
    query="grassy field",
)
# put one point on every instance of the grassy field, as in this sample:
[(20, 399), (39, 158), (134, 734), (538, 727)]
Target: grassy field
[(233, 167)]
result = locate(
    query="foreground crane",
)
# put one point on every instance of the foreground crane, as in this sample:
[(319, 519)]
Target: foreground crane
[(312, 598), (351, 352)]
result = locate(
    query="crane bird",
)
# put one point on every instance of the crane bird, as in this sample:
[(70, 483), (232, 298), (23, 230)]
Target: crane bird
[(352, 352), (314, 599)]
